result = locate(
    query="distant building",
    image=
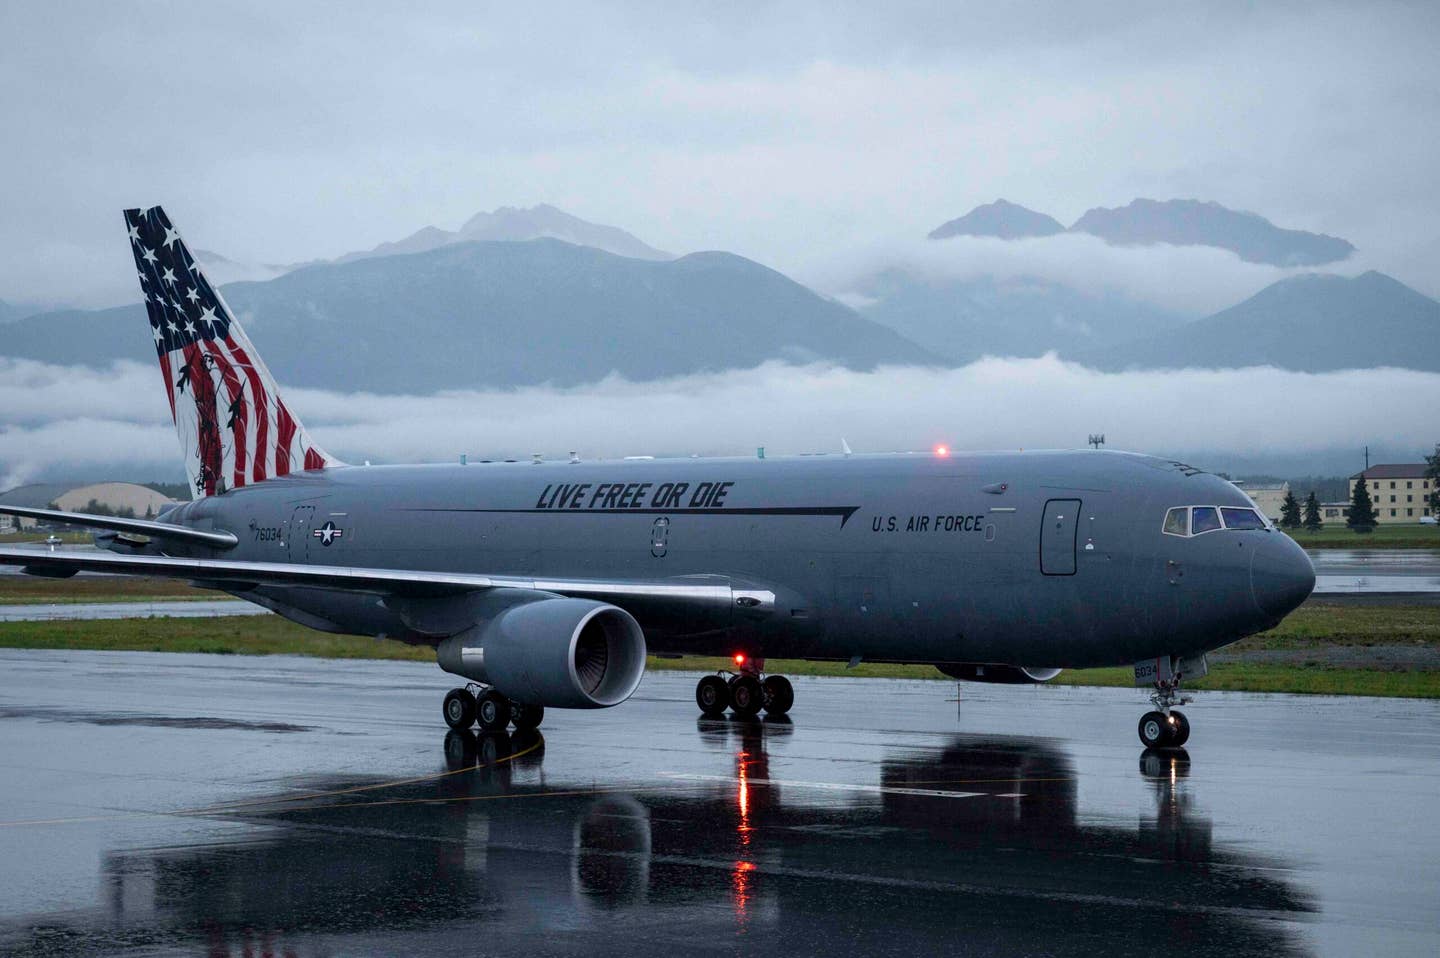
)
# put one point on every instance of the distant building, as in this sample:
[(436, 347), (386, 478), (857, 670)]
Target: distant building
[(1399, 491), (114, 496), (1334, 511), (1268, 498)]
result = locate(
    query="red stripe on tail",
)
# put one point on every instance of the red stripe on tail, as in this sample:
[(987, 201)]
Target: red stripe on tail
[(260, 401), (207, 424), (286, 425), (234, 412)]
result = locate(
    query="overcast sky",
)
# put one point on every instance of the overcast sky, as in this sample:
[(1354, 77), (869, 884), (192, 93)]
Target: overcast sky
[(792, 133)]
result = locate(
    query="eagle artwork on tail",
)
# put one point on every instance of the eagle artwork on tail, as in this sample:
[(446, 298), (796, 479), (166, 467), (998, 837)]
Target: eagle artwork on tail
[(209, 364)]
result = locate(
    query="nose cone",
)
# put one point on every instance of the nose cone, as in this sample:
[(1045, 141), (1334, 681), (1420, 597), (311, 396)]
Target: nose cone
[(1281, 575)]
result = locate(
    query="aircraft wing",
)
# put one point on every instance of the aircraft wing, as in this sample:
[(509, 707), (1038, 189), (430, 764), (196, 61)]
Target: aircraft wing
[(128, 528), (700, 591)]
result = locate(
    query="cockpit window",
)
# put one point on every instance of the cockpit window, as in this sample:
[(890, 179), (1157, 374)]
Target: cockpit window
[(1242, 518), (1198, 520), (1204, 519)]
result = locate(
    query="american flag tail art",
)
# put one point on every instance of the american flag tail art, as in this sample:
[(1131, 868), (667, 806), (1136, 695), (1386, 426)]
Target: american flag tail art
[(233, 426)]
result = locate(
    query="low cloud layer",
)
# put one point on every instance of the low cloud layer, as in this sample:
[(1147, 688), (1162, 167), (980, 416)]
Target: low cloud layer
[(1189, 280), (85, 422)]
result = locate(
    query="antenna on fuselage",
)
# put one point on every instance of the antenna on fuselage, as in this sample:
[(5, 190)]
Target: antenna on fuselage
[(1097, 439), (845, 446)]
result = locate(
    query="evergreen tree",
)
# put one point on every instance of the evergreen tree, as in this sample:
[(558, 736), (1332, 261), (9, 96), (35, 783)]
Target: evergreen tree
[(1362, 511), (1433, 474), (1290, 511), (1313, 522)]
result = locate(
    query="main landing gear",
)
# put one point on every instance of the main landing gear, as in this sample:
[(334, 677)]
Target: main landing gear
[(1167, 726), (482, 705), (744, 692)]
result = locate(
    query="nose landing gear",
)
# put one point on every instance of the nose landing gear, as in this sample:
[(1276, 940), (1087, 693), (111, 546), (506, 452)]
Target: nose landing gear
[(1166, 726), (476, 704), (1159, 730), (744, 692)]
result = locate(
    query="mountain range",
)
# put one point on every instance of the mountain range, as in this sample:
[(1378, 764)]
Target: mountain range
[(1145, 222), (1314, 322), (502, 314), (1001, 219), (514, 312), (506, 223), (963, 320)]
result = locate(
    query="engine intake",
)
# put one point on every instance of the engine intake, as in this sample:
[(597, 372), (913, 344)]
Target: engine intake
[(560, 653), (998, 674)]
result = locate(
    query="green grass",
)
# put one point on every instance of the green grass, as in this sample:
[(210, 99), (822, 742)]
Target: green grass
[(225, 635), (1315, 626), (1336, 536), (71, 537), (37, 590), (1256, 677)]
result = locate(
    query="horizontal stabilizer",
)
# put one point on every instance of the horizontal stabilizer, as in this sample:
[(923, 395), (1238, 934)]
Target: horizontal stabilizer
[(132, 527)]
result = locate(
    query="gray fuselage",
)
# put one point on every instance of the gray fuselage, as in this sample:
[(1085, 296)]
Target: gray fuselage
[(1032, 558)]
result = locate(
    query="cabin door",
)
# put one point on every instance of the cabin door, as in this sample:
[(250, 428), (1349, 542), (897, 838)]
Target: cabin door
[(297, 539), (1057, 536)]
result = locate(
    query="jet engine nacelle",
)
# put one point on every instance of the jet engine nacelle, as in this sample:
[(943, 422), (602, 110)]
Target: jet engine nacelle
[(999, 674), (560, 653)]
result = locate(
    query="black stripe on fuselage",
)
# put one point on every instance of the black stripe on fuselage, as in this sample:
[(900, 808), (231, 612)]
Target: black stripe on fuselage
[(844, 512)]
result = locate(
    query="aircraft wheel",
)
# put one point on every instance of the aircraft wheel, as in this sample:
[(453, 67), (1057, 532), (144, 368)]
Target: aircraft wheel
[(712, 695), (1179, 728), (459, 709), (492, 711), (526, 718), (746, 696), (1154, 730), (779, 694)]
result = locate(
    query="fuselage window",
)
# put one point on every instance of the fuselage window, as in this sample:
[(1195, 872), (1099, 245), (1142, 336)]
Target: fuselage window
[(1242, 519), (1177, 521), (1204, 519)]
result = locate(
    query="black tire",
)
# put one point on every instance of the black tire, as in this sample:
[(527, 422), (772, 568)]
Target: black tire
[(1179, 729), (779, 694), (492, 711), (1154, 730), (712, 695), (526, 718), (747, 696), (459, 709)]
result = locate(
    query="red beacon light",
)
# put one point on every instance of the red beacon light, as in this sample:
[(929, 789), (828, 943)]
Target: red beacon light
[(942, 450), (739, 658)]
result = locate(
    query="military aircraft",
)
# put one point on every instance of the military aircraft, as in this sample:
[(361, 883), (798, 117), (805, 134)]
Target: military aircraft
[(543, 584)]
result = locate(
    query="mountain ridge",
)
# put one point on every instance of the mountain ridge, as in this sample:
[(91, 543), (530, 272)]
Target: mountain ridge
[(498, 314), (1146, 222), (1313, 322), (1000, 219)]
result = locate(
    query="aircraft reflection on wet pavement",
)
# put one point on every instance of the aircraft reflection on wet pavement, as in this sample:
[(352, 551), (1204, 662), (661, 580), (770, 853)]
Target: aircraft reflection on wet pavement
[(979, 840)]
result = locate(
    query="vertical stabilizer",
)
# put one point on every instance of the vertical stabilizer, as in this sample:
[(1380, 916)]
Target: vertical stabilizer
[(233, 426)]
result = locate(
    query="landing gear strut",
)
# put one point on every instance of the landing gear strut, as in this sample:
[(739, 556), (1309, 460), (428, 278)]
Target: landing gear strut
[(1167, 726), (744, 692), (490, 709)]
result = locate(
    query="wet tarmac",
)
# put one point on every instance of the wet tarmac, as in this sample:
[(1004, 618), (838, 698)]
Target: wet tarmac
[(1376, 571), (174, 804)]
